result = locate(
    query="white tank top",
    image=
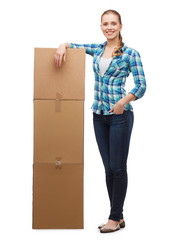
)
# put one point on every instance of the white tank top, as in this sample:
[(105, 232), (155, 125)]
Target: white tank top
[(103, 64)]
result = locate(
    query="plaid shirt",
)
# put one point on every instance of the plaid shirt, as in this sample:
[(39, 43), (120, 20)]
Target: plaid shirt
[(109, 88)]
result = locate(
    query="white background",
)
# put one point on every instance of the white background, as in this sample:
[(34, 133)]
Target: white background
[(148, 26)]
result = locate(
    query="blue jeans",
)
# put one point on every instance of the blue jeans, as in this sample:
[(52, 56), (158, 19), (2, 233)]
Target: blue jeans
[(113, 134)]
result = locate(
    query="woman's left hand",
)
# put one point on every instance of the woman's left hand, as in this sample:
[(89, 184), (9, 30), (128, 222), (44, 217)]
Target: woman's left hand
[(118, 108)]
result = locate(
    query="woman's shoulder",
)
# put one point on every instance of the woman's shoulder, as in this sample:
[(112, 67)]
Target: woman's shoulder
[(101, 45), (132, 52)]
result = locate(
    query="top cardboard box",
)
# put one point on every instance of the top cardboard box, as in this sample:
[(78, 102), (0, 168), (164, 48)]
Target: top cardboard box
[(64, 82)]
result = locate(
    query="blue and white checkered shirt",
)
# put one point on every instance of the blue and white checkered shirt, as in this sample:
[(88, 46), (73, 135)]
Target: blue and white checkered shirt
[(109, 88)]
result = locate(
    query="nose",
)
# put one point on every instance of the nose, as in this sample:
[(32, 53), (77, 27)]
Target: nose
[(109, 27)]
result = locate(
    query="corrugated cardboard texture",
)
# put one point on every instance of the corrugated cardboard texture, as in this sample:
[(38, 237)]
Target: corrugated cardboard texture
[(57, 196), (64, 82), (58, 131)]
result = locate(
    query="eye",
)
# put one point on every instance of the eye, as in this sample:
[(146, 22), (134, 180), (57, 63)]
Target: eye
[(112, 23)]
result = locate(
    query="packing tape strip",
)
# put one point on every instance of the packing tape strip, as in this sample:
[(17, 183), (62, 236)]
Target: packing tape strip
[(58, 162), (58, 96), (57, 106), (58, 103)]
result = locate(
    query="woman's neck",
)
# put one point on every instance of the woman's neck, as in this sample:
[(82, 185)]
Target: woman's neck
[(111, 43)]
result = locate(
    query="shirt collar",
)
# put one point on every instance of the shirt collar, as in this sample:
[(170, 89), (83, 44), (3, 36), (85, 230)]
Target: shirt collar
[(122, 49)]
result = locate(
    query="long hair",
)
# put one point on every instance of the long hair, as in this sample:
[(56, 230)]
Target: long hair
[(116, 52)]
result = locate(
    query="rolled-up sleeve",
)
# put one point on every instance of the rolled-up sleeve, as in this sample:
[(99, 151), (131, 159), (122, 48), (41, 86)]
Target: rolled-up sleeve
[(90, 48), (136, 68)]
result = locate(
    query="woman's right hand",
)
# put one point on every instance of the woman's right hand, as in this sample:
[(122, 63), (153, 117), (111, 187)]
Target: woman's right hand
[(60, 54)]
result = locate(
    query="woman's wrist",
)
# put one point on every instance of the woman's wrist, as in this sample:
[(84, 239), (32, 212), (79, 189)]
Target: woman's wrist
[(125, 100), (67, 45)]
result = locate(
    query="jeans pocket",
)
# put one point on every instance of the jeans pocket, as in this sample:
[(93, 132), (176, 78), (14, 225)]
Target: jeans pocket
[(120, 119), (120, 113)]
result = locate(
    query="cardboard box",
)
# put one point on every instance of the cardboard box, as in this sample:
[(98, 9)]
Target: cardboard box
[(58, 131), (58, 196), (58, 163), (64, 82)]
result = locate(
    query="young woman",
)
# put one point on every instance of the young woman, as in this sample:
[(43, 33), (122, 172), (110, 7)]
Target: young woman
[(112, 112)]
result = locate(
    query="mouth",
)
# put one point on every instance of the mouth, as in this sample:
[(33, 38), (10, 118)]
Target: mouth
[(110, 32)]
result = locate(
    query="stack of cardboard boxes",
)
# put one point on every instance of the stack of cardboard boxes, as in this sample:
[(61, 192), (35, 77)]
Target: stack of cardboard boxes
[(58, 161)]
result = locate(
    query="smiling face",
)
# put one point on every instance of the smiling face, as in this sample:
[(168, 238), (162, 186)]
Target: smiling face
[(110, 26)]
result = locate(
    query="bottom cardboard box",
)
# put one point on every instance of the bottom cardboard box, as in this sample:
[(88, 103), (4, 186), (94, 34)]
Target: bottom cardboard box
[(57, 196)]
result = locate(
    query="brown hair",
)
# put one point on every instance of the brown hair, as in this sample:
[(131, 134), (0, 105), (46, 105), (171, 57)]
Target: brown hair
[(116, 52)]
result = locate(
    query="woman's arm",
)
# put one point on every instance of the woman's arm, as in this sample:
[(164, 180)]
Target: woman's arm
[(90, 48), (61, 51), (136, 68), (138, 91), (119, 106)]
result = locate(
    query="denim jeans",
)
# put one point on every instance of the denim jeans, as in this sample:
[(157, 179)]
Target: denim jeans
[(113, 134)]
